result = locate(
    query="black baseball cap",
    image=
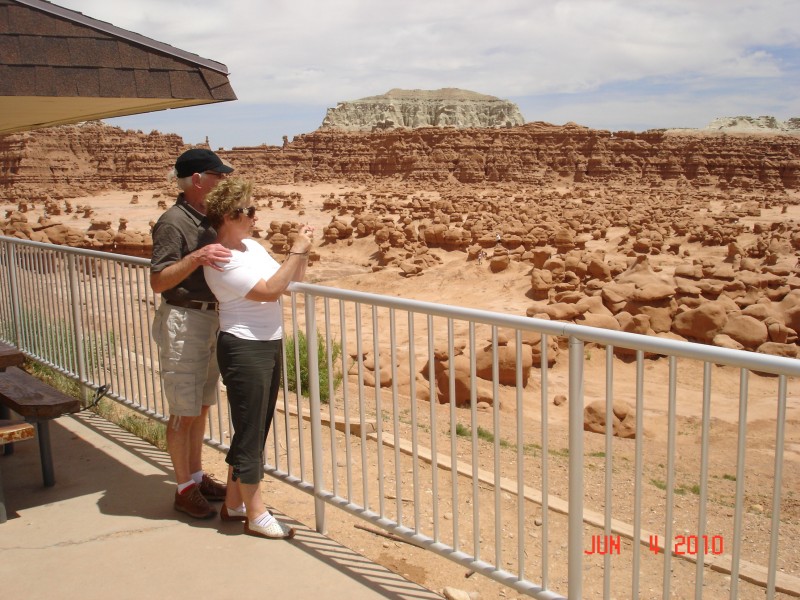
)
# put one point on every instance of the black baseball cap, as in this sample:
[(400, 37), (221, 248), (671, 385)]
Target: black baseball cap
[(199, 160)]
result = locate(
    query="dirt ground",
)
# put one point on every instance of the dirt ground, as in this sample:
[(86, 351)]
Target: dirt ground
[(468, 284)]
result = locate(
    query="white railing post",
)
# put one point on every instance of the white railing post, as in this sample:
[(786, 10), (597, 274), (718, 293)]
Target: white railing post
[(77, 321), (772, 565), (13, 289), (575, 531), (312, 346)]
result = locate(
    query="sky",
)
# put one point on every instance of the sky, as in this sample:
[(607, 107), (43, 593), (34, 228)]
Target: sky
[(606, 64)]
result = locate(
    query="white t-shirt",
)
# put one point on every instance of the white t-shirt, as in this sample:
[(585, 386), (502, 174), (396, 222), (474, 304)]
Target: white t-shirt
[(246, 319)]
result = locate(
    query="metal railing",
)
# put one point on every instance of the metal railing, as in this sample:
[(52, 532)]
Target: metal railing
[(405, 429)]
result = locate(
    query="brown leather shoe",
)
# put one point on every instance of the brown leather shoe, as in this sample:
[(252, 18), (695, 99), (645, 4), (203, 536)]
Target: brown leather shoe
[(192, 502), (212, 489)]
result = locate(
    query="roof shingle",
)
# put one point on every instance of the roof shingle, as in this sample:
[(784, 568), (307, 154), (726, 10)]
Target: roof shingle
[(51, 52)]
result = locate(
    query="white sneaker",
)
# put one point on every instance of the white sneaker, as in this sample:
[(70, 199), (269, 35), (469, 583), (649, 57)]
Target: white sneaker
[(232, 514), (274, 529)]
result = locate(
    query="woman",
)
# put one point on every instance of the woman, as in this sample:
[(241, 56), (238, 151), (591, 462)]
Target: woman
[(249, 345)]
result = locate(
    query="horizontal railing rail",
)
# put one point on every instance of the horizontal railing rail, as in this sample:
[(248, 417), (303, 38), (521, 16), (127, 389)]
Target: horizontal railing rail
[(778, 365), (438, 424)]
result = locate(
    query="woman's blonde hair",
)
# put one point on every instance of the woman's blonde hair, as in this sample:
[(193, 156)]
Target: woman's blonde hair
[(229, 194)]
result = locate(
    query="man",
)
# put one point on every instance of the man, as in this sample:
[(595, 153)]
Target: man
[(186, 323)]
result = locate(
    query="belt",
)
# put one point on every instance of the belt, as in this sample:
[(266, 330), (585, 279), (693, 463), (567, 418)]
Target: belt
[(194, 304)]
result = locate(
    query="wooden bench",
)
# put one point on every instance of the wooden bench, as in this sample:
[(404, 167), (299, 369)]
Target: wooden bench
[(10, 356), (11, 432), (37, 403)]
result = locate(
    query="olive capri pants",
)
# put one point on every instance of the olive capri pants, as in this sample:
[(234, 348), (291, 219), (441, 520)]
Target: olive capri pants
[(251, 372)]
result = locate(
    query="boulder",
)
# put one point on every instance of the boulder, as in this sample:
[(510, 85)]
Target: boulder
[(747, 331), (787, 350), (722, 340), (622, 413), (461, 383), (534, 341), (701, 323), (595, 320), (506, 363)]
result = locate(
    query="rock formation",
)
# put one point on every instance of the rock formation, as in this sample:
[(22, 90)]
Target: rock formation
[(69, 161), (623, 418), (74, 160), (410, 109), (533, 154), (763, 124)]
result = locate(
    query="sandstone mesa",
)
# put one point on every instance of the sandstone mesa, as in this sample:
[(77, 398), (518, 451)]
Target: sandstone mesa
[(411, 109)]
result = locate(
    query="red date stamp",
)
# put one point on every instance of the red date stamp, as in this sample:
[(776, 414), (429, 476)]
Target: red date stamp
[(692, 545), (682, 545), (605, 544)]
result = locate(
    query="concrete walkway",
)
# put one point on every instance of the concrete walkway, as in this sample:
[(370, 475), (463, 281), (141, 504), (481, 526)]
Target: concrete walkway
[(107, 530)]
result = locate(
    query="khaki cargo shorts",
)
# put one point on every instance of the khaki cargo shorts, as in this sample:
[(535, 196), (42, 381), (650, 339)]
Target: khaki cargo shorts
[(187, 349)]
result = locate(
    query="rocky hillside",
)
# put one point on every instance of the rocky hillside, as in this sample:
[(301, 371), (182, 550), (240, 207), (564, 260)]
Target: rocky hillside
[(531, 154), (74, 160), (70, 161), (410, 109)]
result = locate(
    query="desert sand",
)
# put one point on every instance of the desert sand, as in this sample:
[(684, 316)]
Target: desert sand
[(456, 277)]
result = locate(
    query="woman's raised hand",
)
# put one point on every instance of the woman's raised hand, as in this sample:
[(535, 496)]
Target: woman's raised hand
[(302, 243)]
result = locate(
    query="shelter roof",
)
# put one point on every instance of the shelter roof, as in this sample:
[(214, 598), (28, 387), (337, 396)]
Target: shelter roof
[(59, 66)]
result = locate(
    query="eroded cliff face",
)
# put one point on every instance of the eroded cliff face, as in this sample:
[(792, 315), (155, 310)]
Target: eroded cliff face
[(531, 154), (74, 160), (411, 109)]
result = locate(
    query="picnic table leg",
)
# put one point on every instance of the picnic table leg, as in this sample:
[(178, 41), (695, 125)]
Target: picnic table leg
[(3, 517), (43, 433), (8, 449)]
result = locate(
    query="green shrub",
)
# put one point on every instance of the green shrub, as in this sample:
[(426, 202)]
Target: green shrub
[(463, 430), (662, 485), (322, 359), (54, 379), (150, 430), (485, 434)]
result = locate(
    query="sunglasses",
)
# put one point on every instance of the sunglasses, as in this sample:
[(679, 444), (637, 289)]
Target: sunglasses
[(214, 174), (250, 210)]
